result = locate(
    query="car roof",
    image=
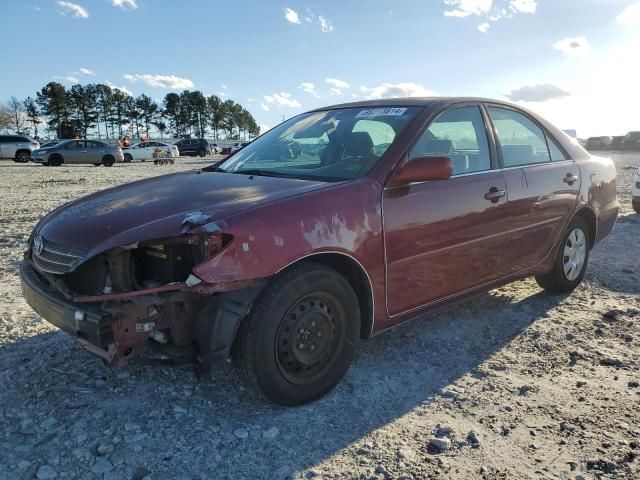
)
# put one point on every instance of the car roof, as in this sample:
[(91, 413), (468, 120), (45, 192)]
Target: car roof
[(415, 102)]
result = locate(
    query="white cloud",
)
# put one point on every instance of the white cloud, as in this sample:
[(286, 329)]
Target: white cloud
[(264, 107), (630, 15), (325, 25), (484, 27), (264, 128), (291, 16), (74, 9), (125, 4), (537, 93), (69, 78), (335, 91), (308, 87), (390, 90), (337, 83), (573, 46), (281, 99), (464, 8), (489, 9), (162, 81), (523, 6), (123, 89), (87, 71)]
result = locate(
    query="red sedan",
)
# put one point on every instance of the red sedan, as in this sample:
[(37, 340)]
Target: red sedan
[(333, 226)]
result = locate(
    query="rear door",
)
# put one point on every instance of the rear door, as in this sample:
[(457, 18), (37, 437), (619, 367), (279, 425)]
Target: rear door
[(542, 181), (445, 237), (74, 151), (95, 151)]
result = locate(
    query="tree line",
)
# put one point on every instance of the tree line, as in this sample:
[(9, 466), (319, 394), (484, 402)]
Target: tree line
[(107, 112)]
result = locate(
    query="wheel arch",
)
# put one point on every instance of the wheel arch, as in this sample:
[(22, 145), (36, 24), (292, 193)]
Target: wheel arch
[(589, 216), (355, 273)]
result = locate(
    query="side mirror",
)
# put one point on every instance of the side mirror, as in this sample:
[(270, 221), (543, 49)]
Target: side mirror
[(423, 169)]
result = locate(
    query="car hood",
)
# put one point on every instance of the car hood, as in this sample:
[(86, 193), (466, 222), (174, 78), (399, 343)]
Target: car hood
[(157, 207)]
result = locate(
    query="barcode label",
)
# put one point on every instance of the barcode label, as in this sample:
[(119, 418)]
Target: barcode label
[(380, 112)]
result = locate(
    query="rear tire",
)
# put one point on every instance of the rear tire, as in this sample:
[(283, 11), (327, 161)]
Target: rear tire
[(571, 260), (108, 161), (299, 339)]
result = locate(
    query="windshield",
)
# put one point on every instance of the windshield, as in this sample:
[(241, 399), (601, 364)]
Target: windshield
[(330, 145)]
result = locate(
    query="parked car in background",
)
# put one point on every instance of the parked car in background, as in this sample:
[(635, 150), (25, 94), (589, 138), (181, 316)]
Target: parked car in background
[(49, 144), (407, 205), (237, 146), (191, 147), (598, 143), (632, 142), (215, 148), (17, 147), (72, 152), (226, 150), (635, 194), (143, 151), (617, 143)]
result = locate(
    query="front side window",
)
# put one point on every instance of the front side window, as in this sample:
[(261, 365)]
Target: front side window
[(331, 145), (75, 145), (520, 140), (460, 134)]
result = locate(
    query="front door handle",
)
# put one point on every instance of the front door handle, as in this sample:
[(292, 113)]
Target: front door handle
[(494, 194), (570, 178)]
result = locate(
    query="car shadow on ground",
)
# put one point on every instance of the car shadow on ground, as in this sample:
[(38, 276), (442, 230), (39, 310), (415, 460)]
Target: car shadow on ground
[(224, 425)]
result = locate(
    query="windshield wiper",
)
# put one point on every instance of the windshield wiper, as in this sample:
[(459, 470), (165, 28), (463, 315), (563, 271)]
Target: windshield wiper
[(262, 173)]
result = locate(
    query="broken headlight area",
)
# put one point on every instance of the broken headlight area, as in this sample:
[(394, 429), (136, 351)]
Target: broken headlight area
[(145, 297)]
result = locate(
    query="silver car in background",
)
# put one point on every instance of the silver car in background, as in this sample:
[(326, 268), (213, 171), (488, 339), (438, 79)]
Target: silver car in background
[(17, 147), (79, 152)]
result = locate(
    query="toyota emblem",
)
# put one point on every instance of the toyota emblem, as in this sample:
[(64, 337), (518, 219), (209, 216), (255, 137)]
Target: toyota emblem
[(38, 245)]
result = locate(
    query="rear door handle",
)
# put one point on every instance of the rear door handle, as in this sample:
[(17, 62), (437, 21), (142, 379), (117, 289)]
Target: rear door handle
[(494, 194), (570, 178)]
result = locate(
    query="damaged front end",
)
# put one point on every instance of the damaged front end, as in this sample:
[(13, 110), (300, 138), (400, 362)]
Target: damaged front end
[(140, 300)]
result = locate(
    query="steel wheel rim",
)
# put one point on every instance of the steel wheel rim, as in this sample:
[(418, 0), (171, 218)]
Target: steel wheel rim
[(575, 252), (307, 338)]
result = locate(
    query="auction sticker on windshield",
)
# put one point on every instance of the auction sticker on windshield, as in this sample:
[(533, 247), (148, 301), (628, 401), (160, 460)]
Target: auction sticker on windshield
[(379, 112)]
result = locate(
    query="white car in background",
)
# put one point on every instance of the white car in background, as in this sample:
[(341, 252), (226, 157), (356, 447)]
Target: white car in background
[(17, 147), (143, 151), (215, 148), (635, 192)]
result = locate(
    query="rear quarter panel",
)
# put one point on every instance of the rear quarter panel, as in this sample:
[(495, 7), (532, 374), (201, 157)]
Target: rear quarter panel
[(598, 192)]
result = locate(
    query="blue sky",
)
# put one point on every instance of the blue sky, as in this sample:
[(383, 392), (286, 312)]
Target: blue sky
[(574, 61)]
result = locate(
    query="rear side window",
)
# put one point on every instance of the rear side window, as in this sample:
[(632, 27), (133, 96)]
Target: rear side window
[(520, 140), (4, 139), (554, 151), (459, 133)]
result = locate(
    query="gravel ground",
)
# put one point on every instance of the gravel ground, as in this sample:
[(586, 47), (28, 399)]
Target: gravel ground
[(511, 384)]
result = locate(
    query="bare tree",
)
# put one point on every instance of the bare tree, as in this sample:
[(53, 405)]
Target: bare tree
[(5, 117), (16, 110)]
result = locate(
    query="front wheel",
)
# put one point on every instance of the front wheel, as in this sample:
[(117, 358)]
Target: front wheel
[(571, 260), (300, 338), (22, 157)]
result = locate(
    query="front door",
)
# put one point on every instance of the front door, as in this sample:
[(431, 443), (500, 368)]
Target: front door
[(446, 237), (543, 185), (74, 151)]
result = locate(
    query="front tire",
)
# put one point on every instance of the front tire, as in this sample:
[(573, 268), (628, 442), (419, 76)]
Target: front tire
[(22, 156), (299, 339), (571, 260), (55, 160)]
